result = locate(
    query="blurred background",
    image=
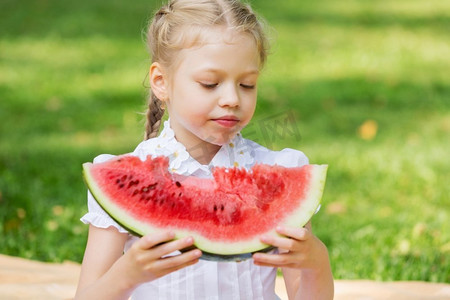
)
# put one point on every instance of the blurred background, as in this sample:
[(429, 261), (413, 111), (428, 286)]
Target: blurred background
[(364, 85)]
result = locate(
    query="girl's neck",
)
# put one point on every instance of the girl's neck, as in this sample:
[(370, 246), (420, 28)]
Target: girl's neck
[(203, 153)]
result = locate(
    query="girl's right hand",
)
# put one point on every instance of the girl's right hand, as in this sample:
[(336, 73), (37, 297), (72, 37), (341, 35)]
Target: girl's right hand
[(107, 273), (144, 261)]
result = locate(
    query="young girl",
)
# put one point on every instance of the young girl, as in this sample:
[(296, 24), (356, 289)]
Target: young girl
[(207, 55)]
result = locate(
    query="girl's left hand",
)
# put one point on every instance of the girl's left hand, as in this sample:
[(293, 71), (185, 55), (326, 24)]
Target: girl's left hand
[(298, 248)]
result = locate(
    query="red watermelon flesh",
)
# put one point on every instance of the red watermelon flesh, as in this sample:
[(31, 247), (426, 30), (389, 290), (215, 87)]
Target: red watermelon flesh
[(226, 214)]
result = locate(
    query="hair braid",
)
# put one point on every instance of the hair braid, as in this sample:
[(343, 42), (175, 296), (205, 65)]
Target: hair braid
[(154, 115)]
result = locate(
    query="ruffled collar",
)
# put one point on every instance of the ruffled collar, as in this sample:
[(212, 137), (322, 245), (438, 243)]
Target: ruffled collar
[(236, 153)]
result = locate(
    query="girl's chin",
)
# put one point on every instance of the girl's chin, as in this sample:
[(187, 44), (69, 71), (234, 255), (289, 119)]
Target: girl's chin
[(220, 140)]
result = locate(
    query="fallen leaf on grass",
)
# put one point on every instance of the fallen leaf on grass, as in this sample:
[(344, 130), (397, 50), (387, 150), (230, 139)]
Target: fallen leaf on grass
[(368, 130)]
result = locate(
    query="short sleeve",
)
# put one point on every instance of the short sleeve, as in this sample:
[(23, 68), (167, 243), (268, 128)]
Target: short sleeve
[(96, 216), (287, 157), (290, 158)]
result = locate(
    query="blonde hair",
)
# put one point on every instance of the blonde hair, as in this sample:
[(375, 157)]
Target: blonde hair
[(179, 24)]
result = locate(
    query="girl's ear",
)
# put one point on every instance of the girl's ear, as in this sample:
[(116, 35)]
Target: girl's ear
[(158, 81)]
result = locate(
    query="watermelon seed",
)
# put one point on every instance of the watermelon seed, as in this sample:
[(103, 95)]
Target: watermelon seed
[(152, 186), (124, 177), (178, 184), (121, 185), (136, 182), (222, 207), (215, 207), (135, 192), (118, 181)]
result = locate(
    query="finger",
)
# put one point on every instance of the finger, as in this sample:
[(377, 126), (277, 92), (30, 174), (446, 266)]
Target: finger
[(177, 262), (280, 242), (151, 240), (300, 234), (289, 265), (172, 246), (179, 267), (274, 260)]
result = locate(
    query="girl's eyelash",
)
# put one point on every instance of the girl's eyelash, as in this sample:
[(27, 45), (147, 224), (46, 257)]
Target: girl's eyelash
[(209, 85), (248, 86), (213, 85)]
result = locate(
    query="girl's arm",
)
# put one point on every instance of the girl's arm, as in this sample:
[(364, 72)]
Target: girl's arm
[(107, 273), (304, 261)]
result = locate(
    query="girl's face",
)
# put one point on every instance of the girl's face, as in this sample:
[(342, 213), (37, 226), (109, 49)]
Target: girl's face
[(211, 94)]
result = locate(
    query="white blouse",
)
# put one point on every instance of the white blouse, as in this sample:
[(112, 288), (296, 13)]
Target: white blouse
[(206, 279)]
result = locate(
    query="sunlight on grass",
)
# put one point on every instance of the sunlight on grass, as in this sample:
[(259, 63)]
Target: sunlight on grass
[(73, 67), (330, 52)]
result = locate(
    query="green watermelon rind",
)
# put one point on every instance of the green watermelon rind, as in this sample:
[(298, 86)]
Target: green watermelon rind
[(297, 218)]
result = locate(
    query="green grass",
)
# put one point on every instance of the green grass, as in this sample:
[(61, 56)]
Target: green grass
[(72, 86)]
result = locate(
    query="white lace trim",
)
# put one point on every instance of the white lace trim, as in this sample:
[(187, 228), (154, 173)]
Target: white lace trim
[(101, 221)]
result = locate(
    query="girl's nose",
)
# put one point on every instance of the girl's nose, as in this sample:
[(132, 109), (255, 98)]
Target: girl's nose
[(230, 96)]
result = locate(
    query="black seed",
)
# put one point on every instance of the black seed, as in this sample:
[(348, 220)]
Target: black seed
[(152, 186), (124, 177), (136, 182), (178, 184), (222, 207), (118, 181), (121, 185), (215, 207), (135, 192)]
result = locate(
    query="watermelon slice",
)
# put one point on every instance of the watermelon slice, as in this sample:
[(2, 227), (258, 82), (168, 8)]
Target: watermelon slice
[(226, 215)]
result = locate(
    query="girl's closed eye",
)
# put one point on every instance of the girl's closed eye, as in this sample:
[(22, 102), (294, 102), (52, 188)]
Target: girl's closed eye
[(208, 85), (213, 85), (248, 86)]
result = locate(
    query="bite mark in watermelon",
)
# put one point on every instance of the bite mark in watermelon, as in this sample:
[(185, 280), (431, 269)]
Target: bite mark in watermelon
[(226, 215)]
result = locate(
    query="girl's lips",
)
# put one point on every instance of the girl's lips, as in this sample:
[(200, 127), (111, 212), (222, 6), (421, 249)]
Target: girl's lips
[(227, 121)]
